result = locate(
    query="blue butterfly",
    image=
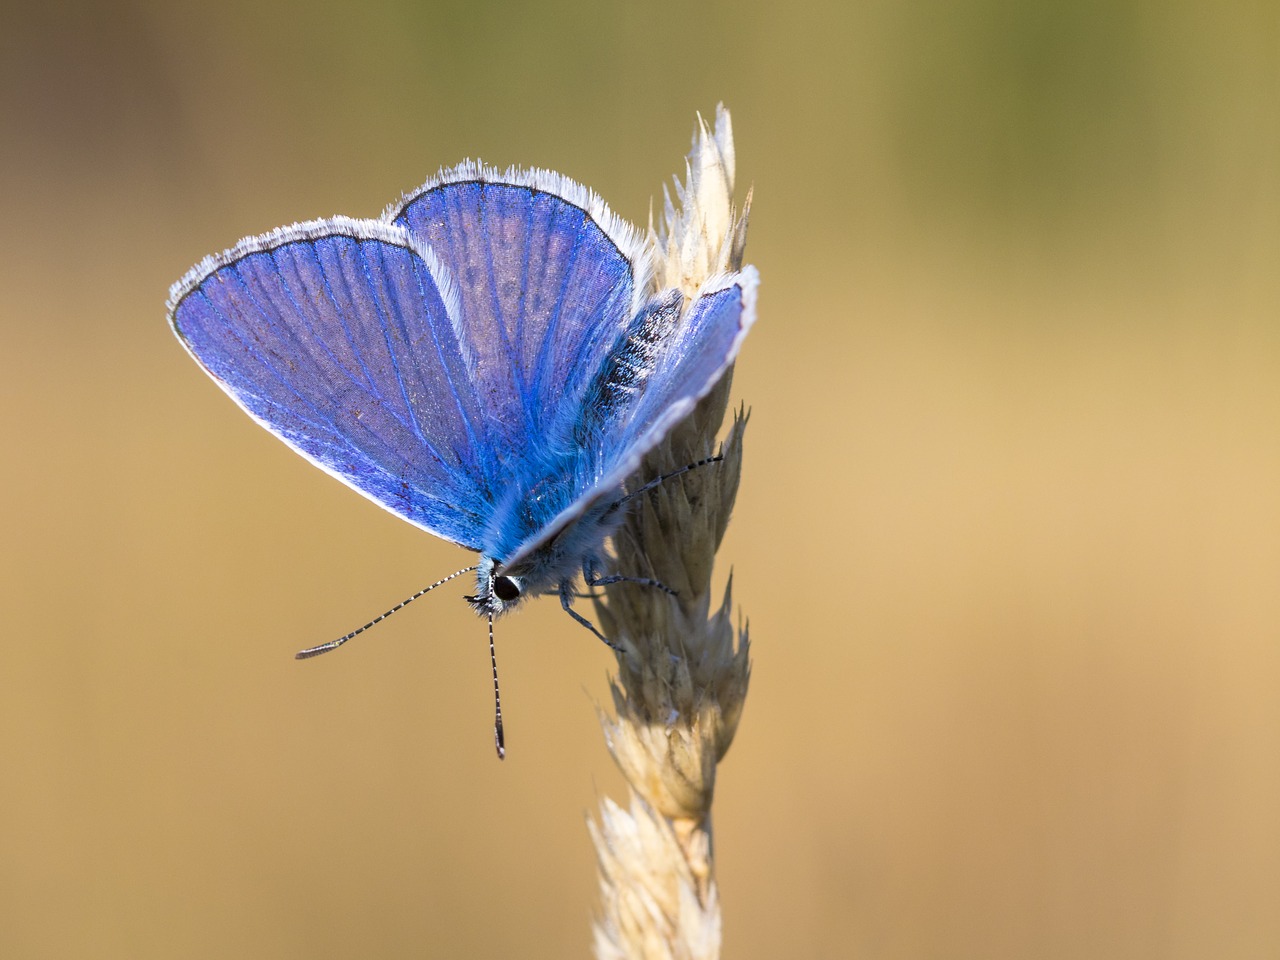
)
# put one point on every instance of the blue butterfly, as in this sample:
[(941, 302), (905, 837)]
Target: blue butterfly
[(486, 360)]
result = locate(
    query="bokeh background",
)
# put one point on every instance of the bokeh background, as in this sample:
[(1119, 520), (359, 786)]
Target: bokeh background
[(1008, 536)]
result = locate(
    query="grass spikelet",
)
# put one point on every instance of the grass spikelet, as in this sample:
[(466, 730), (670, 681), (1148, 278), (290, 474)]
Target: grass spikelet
[(684, 669)]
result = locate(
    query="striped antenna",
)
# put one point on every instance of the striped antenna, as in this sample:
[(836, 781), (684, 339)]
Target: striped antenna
[(499, 738), (335, 644)]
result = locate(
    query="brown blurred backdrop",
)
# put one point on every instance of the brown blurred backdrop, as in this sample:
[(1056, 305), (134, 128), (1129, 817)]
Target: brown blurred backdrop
[(1008, 538)]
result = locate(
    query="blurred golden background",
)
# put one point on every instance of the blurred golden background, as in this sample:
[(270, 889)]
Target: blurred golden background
[(1008, 536)]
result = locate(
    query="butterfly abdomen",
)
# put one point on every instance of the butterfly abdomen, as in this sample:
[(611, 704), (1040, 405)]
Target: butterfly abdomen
[(627, 368)]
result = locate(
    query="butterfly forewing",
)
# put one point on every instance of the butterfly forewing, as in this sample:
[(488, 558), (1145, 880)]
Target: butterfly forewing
[(336, 337)]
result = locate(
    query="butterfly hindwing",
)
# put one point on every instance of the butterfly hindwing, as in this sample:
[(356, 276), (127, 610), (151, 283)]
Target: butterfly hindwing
[(337, 336), (688, 359), (546, 281), (692, 360)]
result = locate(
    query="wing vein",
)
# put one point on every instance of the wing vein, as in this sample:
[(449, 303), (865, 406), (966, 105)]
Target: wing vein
[(555, 318), (495, 300)]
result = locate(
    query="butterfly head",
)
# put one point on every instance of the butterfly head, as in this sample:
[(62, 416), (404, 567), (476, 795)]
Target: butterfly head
[(498, 591)]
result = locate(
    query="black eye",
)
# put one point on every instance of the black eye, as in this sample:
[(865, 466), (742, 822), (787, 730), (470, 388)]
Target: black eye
[(505, 589)]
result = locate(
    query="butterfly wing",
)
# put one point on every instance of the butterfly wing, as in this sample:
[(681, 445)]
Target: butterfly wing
[(546, 278), (432, 359), (339, 337), (692, 361), (690, 357)]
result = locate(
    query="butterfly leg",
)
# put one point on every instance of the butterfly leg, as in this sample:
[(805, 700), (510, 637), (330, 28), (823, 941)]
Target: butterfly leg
[(566, 601), (593, 579), (656, 481), (642, 581)]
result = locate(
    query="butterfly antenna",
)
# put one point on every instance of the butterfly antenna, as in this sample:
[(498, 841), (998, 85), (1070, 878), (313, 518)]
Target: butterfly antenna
[(335, 644), (499, 738), (668, 476)]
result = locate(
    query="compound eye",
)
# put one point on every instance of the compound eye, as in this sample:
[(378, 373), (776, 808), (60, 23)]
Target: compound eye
[(505, 589)]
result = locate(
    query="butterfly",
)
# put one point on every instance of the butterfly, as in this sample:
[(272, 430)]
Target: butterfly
[(487, 360)]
